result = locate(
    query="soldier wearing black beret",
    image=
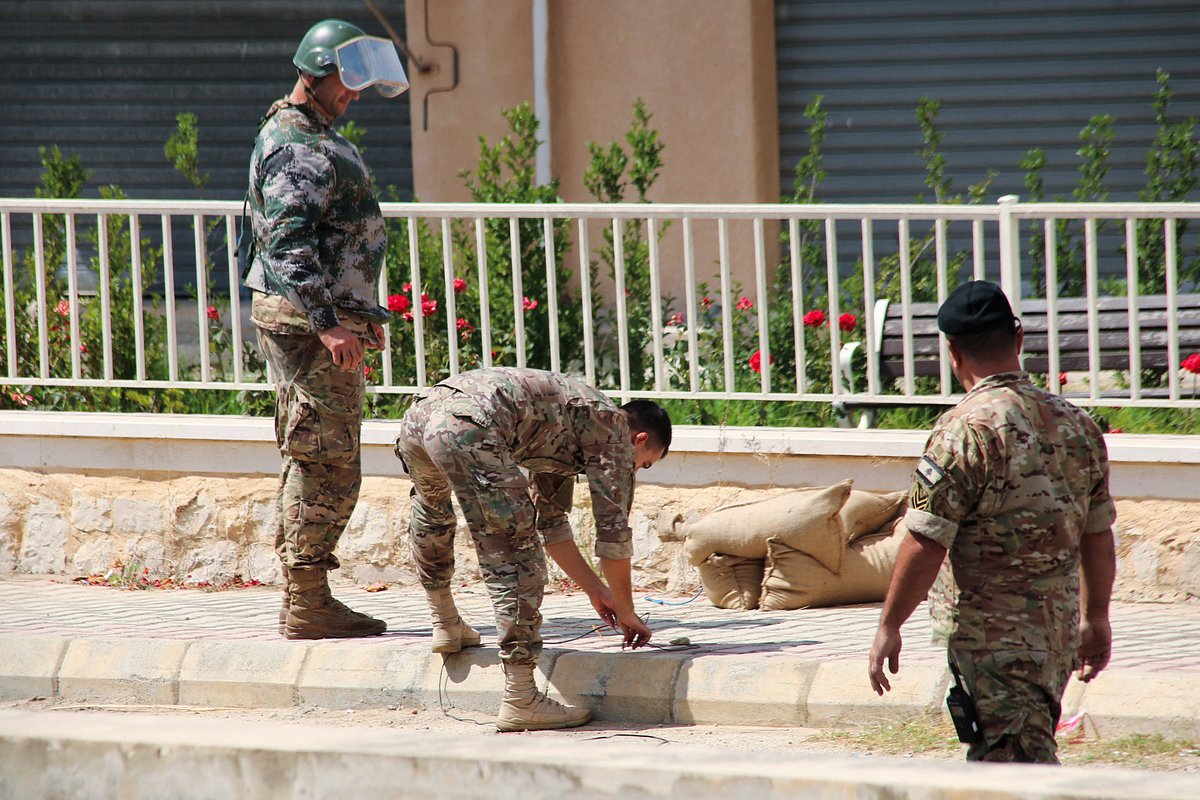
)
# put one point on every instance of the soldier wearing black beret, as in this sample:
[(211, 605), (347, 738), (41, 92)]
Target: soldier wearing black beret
[(1013, 484)]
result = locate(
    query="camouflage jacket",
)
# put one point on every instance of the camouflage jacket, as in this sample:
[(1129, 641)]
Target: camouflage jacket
[(318, 231), (1011, 479), (558, 427)]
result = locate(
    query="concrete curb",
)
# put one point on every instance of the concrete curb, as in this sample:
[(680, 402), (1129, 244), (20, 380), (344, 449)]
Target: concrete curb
[(651, 688), (136, 756)]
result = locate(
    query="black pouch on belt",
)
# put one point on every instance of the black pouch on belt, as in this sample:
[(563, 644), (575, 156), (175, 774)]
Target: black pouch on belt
[(962, 710)]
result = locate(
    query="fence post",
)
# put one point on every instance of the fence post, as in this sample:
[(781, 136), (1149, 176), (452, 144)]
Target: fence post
[(1010, 249)]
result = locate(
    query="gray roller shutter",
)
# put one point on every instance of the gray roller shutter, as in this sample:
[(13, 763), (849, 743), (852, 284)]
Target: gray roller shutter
[(1011, 76), (105, 79)]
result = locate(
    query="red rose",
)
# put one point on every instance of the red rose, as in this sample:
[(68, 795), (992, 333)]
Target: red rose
[(756, 361), (399, 303), (459, 285), (428, 307), (847, 322), (814, 318), (530, 305), (706, 301), (1192, 363), (212, 313), (1062, 379), (744, 304)]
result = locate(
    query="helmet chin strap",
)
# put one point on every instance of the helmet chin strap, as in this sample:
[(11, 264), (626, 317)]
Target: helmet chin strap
[(312, 98)]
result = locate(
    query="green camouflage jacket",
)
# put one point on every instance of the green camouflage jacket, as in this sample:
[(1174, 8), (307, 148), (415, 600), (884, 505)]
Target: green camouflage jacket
[(1011, 479), (558, 427), (318, 231)]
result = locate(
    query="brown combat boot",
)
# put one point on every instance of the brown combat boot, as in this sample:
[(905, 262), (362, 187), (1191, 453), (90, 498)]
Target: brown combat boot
[(524, 708), (314, 613), (450, 633)]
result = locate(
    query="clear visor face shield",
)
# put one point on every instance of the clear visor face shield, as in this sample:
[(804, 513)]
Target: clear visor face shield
[(370, 61)]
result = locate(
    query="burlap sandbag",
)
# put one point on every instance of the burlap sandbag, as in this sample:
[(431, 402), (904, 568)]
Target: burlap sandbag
[(806, 520), (867, 512), (794, 579), (732, 581)]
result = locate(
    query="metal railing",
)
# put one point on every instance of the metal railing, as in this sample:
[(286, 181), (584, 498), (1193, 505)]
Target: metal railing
[(154, 321)]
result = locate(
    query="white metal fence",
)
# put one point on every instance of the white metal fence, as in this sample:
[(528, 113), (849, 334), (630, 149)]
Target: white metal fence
[(750, 302)]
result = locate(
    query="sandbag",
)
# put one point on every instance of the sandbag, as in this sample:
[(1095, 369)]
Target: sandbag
[(794, 579), (867, 512), (732, 581), (806, 520)]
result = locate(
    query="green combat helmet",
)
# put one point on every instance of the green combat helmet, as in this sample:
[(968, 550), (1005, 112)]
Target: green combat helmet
[(333, 45)]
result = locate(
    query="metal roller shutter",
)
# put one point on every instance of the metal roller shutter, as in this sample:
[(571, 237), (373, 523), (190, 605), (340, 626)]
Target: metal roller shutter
[(1011, 76)]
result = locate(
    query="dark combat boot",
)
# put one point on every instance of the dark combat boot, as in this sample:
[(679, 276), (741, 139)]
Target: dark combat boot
[(314, 613)]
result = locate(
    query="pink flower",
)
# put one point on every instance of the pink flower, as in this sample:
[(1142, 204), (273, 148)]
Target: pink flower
[(1192, 363), (677, 318), (814, 318), (744, 304), (406, 288), (212, 313), (530, 305), (21, 399), (706, 301), (428, 307), (1062, 379), (63, 309), (464, 326), (83, 348), (756, 361), (367, 370), (408, 316), (398, 302), (847, 322), (459, 285)]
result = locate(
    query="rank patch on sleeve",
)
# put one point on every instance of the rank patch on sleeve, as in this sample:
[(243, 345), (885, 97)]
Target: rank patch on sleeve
[(918, 497), (929, 473)]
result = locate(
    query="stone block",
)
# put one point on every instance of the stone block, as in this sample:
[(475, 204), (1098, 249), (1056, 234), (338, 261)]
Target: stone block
[(630, 687), (137, 517), (44, 538), (122, 670), (28, 665), (91, 514), (748, 690), (470, 680), (364, 674), (841, 694), (244, 674), (1121, 703)]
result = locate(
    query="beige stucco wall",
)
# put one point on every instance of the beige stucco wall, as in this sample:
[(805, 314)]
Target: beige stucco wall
[(705, 68)]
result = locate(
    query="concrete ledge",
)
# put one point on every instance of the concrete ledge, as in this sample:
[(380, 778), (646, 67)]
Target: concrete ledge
[(108, 755), (841, 694), (877, 460), (122, 670), (29, 665), (713, 690), (1123, 703), (241, 674), (341, 675)]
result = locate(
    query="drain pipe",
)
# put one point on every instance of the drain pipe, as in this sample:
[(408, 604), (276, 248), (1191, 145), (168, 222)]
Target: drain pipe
[(541, 88)]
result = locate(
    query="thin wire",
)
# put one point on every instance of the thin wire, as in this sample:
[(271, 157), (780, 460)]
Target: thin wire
[(444, 698), (658, 739), (692, 599)]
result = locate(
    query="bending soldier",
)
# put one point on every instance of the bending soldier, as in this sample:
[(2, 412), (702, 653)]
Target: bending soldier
[(472, 434)]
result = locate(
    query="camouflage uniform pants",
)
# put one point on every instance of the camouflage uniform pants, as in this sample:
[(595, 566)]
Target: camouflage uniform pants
[(445, 451), (318, 423), (1017, 696)]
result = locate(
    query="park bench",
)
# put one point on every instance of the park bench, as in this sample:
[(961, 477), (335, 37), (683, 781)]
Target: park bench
[(1072, 336)]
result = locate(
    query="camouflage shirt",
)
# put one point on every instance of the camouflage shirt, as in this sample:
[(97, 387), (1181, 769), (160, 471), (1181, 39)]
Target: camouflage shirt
[(1011, 479), (318, 231), (558, 427)]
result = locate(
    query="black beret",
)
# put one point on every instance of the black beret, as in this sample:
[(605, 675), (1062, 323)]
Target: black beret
[(975, 307)]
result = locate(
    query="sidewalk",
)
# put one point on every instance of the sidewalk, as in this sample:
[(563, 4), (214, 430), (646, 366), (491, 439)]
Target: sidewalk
[(800, 668)]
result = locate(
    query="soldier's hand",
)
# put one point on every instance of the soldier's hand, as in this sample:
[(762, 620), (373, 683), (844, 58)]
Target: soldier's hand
[(886, 648), (1096, 647), (636, 632), (605, 606), (344, 347)]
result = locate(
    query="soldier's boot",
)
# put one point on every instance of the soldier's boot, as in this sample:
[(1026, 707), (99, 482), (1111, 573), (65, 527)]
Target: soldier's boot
[(283, 610), (314, 613), (524, 708), (450, 633)]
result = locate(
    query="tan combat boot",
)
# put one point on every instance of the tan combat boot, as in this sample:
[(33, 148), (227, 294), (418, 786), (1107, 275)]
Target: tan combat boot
[(450, 633), (524, 708), (314, 613)]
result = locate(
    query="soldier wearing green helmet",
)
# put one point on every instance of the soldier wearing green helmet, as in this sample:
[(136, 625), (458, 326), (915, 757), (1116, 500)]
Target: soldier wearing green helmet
[(318, 247)]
